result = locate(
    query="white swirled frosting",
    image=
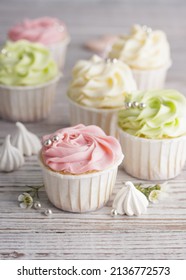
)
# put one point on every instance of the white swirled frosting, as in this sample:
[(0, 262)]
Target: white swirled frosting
[(130, 201), (142, 49), (10, 157), (27, 142), (100, 83)]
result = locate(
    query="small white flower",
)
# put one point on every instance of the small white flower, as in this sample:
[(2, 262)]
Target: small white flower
[(25, 199), (155, 196)]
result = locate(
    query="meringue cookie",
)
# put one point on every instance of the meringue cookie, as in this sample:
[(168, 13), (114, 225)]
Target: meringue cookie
[(130, 201), (10, 157), (27, 142)]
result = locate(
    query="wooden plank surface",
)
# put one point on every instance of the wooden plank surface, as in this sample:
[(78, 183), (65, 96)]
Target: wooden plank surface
[(27, 234)]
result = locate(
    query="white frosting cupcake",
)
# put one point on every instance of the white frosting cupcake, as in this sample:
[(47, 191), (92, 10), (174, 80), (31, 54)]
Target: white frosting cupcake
[(147, 53), (97, 90)]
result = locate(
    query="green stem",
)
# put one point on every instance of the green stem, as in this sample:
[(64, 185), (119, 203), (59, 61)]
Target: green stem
[(34, 190), (147, 190)]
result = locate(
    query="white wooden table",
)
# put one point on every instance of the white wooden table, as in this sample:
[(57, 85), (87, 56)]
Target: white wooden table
[(27, 234)]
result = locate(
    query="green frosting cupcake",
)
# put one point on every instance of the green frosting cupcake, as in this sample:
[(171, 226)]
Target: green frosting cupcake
[(26, 64), (163, 117)]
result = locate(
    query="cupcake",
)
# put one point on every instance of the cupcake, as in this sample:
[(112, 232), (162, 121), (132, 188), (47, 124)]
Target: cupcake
[(98, 90), (152, 134), (28, 80), (79, 167), (50, 32), (147, 53)]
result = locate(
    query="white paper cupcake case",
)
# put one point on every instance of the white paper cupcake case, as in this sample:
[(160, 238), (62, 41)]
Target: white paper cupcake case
[(79, 193), (150, 79), (104, 118), (153, 159), (58, 51), (29, 103)]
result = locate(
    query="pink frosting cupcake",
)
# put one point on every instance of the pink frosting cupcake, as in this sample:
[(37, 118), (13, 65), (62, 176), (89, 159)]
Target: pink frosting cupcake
[(50, 32), (79, 167)]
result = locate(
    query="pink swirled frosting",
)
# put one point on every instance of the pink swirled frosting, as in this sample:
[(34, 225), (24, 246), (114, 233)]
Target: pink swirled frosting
[(81, 149), (43, 30)]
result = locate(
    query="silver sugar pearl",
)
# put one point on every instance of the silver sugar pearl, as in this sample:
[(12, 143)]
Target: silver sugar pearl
[(47, 143), (141, 105), (37, 205), (113, 213), (128, 105), (55, 138), (60, 28), (135, 104), (48, 212), (111, 60), (147, 30)]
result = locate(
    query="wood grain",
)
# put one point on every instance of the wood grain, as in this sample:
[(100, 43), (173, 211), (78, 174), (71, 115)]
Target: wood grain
[(28, 234)]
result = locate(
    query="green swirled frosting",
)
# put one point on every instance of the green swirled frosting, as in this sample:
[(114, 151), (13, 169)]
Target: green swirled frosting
[(25, 64), (163, 117)]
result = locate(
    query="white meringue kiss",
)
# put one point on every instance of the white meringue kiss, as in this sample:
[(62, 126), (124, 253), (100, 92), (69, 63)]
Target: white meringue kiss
[(27, 142), (10, 157), (130, 201)]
